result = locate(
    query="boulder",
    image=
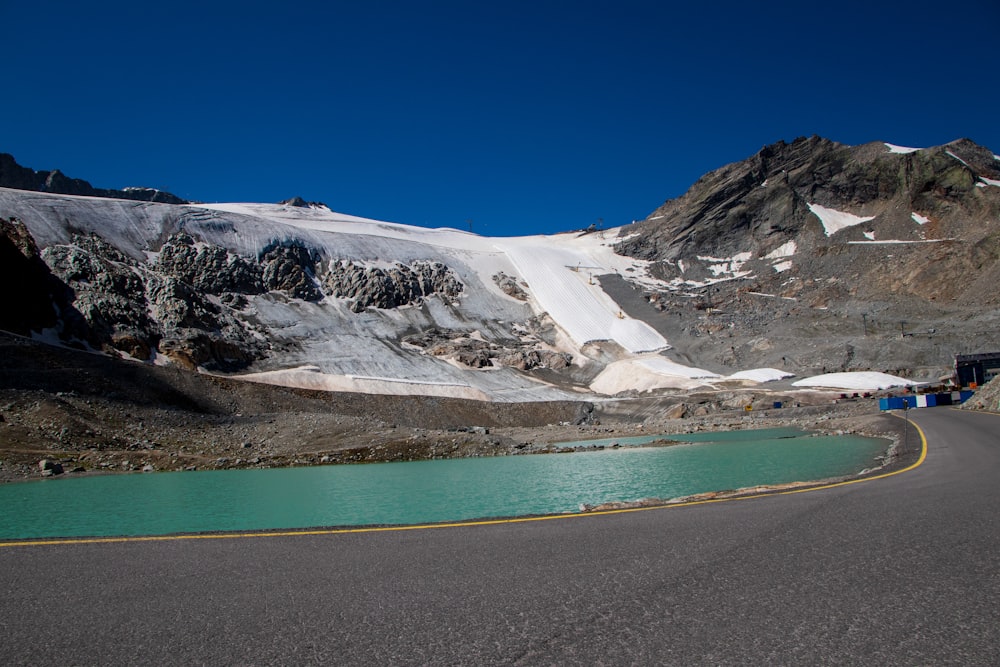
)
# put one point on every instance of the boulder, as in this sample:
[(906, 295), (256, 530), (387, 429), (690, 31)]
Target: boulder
[(48, 467)]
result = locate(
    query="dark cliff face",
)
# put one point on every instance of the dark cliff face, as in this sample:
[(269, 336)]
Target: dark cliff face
[(13, 175)]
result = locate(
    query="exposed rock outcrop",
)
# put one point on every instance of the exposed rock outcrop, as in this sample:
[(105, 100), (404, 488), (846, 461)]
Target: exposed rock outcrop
[(391, 287), (129, 308), (208, 268), (299, 202), (108, 292), (290, 266), (469, 349), (509, 286)]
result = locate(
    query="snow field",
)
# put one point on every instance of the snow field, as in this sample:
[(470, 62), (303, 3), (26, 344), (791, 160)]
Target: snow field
[(334, 350)]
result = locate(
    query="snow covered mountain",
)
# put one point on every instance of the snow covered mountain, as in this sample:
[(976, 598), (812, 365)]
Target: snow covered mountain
[(809, 257), (306, 297)]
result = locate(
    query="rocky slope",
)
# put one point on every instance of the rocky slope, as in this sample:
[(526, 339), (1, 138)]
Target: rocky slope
[(817, 254), (13, 175)]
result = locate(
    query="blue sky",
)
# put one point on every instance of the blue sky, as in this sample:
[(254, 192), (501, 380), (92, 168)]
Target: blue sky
[(522, 116)]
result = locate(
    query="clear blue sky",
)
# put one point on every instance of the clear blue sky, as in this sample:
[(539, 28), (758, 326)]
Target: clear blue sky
[(523, 116)]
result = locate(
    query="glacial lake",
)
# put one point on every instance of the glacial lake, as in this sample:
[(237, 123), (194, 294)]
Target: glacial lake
[(425, 491)]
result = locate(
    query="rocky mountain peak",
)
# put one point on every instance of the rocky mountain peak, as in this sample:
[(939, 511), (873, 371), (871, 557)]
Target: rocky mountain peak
[(808, 231)]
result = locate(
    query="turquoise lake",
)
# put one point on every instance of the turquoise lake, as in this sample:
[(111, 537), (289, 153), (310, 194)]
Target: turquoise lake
[(424, 491)]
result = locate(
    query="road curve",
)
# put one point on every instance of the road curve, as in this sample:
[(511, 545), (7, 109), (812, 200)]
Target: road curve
[(896, 571)]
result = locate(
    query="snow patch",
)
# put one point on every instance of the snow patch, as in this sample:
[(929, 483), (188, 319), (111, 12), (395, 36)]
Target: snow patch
[(862, 380), (635, 375), (728, 266), (870, 236), (989, 181), (784, 250), (834, 221), (761, 375), (781, 267), (901, 149), (919, 219)]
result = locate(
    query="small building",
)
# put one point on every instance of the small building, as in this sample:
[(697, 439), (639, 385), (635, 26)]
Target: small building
[(976, 369)]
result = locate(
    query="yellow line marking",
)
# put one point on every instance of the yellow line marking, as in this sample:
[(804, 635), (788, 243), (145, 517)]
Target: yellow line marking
[(457, 524)]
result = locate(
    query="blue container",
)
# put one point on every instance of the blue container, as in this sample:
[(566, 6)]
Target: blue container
[(777, 404), (943, 399), (965, 395), (891, 403)]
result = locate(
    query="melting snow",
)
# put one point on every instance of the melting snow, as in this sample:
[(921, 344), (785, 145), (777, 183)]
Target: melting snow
[(901, 149), (870, 236), (919, 219), (989, 181), (730, 266), (833, 220), (781, 267)]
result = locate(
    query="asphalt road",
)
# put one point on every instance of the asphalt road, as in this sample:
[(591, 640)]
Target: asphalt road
[(897, 571)]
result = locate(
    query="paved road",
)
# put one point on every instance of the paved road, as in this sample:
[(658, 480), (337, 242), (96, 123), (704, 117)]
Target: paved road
[(899, 571)]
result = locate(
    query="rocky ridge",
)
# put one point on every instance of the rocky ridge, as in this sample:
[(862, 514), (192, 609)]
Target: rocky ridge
[(13, 175)]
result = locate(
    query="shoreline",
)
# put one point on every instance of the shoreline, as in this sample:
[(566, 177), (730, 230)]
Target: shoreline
[(503, 441)]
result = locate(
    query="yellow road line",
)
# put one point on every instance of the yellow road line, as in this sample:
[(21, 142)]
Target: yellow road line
[(457, 524)]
